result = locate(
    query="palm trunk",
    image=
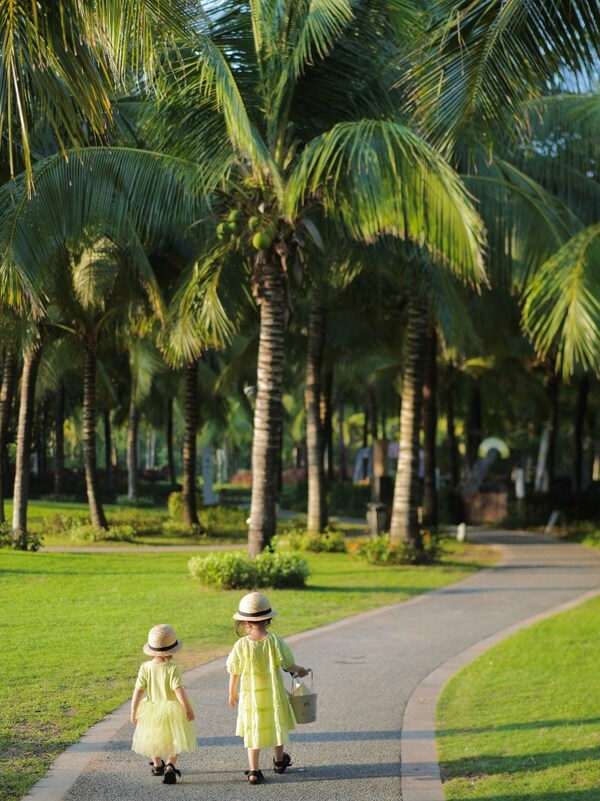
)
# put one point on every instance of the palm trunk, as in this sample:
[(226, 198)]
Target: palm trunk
[(578, 434), (7, 391), (317, 500), (99, 521), (268, 412), (170, 449), (451, 427), (190, 511), (59, 436), (552, 391), (327, 421), (23, 456), (430, 505), (474, 424), (132, 443), (108, 483), (343, 459), (404, 526)]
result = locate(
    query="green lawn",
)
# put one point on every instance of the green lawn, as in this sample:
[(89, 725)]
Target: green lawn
[(522, 722), (75, 625)]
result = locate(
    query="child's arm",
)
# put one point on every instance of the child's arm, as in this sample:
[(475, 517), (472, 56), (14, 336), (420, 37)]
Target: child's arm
[(233, 696), (185, 703), (135, 702), (298, 670)]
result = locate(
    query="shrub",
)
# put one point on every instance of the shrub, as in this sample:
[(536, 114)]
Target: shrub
[(280, 570), (379, 551), (20, 540), (298, 539), (225, 570), (175, 504), (235, 570)]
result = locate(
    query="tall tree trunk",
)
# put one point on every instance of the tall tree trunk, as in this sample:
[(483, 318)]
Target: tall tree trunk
[(133, 473), (317, 500), (404, 526), (327, 421), (430, 500), (99, 521), (343, 456), (270, 294), (170, 448), (578, 433), (108, 481), (7, 392), (451, 427), (474, 423), (190, 510), (24, 435), (59, 437), (552, 391)]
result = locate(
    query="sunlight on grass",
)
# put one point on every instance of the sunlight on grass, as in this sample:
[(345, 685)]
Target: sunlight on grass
[(522, 721), (80, 621)]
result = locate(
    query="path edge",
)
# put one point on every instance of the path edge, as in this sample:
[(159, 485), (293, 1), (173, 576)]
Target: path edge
[(420, 776)]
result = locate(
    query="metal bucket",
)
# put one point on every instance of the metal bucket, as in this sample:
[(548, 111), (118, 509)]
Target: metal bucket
[(304, 705)]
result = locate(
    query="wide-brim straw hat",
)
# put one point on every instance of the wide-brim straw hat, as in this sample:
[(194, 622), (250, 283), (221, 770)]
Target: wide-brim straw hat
[(254, 607), (162, 641)]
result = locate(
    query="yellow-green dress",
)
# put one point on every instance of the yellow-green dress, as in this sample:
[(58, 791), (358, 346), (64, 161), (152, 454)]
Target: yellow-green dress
[(162, 726), (265, 716)]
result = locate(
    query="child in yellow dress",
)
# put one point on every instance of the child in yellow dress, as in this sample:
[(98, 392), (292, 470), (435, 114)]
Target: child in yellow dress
[(265, 716), (164, 717)]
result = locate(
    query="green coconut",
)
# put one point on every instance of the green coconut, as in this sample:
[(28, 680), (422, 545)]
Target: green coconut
[(262, 240), (235, 215)]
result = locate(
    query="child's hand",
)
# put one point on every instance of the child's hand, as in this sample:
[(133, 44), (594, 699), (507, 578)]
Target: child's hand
[(301, 672), (189, 713), (233, 699), (133, 718)]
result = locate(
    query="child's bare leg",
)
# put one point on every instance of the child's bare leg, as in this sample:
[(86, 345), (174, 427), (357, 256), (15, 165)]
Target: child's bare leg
[(253, 754), (172, 759), (278, 753), (157, 762)]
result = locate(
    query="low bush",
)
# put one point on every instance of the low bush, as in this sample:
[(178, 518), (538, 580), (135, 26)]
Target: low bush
[(299, 539), (379, 551), (175, 504), (20, 540), (235, 570)]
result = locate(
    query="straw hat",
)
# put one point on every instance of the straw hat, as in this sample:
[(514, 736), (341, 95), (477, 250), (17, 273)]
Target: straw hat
[(162, 641), (254, 607)]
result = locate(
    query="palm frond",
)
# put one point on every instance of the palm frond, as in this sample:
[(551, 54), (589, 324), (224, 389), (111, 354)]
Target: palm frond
[(380, 178), (562, 303), (484, 59)]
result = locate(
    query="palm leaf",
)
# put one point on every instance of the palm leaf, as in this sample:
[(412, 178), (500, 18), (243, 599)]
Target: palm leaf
[(562, 303), (381, 178)]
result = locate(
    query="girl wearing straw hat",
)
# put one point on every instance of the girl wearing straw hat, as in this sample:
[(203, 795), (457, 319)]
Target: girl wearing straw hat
[(164, 717), (265, 716)]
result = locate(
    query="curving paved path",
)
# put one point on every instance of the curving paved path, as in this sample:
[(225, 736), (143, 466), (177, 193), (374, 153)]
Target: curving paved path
[(377, 676)]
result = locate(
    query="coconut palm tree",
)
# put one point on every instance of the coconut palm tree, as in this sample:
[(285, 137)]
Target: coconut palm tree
[(298, 117), (475, 69)]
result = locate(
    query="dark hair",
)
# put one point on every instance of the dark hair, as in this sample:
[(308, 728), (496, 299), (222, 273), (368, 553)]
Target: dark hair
[(241, 632)]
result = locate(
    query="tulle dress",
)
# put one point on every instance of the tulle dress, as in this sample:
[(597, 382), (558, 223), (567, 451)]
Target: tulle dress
[(162, 727), (265, 716)]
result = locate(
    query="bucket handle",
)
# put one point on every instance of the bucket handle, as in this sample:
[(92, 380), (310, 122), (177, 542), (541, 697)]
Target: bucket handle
[(295, 676)]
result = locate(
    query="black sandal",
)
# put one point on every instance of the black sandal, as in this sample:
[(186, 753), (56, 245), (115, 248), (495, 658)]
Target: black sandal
[(280, 767), (257, 775), (158, 770), (170, 771)]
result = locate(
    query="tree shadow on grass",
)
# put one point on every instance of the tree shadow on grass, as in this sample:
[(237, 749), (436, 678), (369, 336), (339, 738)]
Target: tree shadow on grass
[(531, 726)]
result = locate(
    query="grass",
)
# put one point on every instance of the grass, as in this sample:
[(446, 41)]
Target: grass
[(522, 721), (75, 625)]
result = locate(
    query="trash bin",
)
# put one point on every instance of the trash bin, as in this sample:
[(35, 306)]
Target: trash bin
[(376, 517)]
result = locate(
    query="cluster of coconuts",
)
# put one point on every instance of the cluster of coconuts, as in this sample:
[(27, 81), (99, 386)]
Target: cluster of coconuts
[(263, 231)]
